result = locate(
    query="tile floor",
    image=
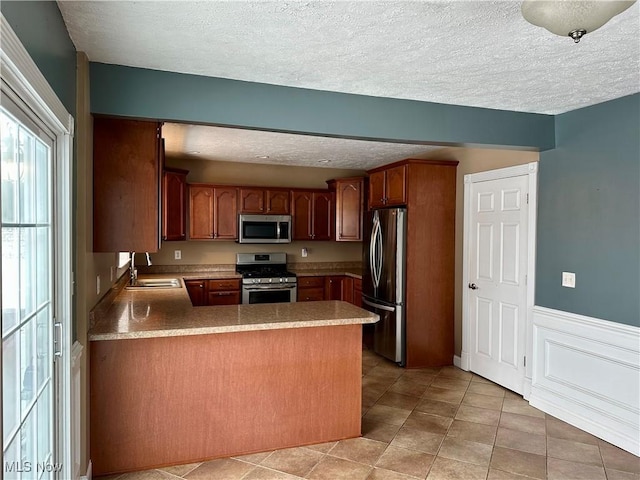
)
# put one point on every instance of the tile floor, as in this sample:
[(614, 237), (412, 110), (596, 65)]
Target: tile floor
[(433, 423)]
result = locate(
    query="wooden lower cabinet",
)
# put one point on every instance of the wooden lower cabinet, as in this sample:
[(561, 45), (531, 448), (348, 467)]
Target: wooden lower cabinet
[(214, 292), (357, 292), (311, 289)]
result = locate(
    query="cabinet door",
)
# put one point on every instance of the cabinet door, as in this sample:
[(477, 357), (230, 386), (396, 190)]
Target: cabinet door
[(252, 200), (357, 292), (225, 213), (302, 215), (278, 202), (174, 185), (323, 216), (349, 206), (196, 289), (310, 294), (126, 185), (347, 289), (200, 213), (333, 287), (395, 186), (376, 190), (224, 298)]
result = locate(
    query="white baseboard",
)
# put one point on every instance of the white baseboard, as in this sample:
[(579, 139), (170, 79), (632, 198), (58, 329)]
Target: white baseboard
[(586, 372), (89, 474), (462, 361), (457, 361)]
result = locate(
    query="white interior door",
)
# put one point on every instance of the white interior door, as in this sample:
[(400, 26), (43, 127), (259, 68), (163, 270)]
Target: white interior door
[(29, 387), (497, 291)]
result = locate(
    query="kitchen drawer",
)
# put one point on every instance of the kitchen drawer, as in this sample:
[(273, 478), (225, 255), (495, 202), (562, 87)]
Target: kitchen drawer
[(310, 294), (304, 282), (226, 284), (224, 298)]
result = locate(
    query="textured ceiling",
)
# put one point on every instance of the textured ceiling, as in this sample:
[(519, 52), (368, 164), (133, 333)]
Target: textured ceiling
[(475, 53), (238, 145)]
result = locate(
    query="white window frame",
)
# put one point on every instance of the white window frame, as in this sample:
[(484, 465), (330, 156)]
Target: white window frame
[(24, 80)]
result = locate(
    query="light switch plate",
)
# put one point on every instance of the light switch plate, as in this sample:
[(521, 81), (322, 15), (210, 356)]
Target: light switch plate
[(305, 252), (177, 254), (569, 279), (98, 285)]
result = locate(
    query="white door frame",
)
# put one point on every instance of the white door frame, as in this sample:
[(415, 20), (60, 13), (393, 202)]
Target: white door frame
[(25, 81), (531, 171)]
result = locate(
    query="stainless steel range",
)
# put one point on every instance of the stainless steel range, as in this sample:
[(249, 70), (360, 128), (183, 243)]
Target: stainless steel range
[(265, 278)]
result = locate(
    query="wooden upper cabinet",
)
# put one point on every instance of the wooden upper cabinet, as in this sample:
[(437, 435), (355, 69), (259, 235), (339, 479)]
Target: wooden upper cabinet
[(278, 202), (225, 213), (252, 200), (349, 194), (264, 201), (388, 187), (213, 212), (312, 215), (126, 185), (200, 212), (174, 222)]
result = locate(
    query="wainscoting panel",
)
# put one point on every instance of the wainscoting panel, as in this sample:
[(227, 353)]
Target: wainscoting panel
[(586, 372)]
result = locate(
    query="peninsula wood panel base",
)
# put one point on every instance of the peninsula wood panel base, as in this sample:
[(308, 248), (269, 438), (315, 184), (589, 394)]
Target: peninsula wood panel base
[(173, 400)]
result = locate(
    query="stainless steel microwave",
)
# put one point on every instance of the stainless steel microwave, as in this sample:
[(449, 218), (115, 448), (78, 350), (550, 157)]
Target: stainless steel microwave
[(264, 229)]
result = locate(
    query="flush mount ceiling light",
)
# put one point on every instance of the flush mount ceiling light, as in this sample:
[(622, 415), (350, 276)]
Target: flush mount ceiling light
[(573, 18)]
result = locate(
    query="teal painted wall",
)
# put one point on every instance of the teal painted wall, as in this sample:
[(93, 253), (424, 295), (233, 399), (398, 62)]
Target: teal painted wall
[(589, 213), (40, 28), (137, 92)]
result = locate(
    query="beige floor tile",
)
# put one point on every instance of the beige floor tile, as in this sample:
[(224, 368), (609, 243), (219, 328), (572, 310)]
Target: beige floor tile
[(222, 469), (501, 475), (408, 387), (559, 429), (521, 407), (523, 441), (109, 477), (418, 377), (428, 422), (409, 462), (455, 372), (617, 459), (361, 450), (295, 461), (573, 451), (254, 458), (620, 475), (447, 469), (433, 371), (152, 475), (398, 400), (419, 440), (435, 407), (383, 474), (512, 395), (383, 413), (523, 423), (486, 389), (479, 379), (181, 470), (370, 397), (564, 470), (478, 415), (465, 451), (473, 432), (444, 394), (383, 432), (261, 473), (450, 383), (482, 401), (522, 463), (332, 468), (322, 447)]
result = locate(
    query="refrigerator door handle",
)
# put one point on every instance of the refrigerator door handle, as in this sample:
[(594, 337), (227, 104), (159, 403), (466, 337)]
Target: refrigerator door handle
[(374, 255), (377, 305)]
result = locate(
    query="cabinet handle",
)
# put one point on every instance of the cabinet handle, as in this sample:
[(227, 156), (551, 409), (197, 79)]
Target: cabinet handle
[(201, 286), (215, 235), (224, 294)]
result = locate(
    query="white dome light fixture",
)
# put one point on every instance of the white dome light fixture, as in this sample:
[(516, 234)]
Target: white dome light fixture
[(573, 18)]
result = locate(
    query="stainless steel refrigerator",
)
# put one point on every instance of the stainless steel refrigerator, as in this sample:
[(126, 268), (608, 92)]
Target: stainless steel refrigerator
[(383, 279)]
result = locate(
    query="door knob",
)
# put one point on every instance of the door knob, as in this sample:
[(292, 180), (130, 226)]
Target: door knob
[(473, 286)]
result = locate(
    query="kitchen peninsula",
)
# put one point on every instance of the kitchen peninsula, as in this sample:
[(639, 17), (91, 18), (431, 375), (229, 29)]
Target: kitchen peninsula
[(172, 383)]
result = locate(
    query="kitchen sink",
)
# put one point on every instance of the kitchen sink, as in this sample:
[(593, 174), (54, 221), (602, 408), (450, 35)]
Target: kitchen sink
[(155, 283)]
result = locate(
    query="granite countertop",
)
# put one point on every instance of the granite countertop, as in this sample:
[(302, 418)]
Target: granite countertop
[(168, 312)]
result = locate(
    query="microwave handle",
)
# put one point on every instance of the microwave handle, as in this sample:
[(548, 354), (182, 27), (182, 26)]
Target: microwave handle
[(278, 230)]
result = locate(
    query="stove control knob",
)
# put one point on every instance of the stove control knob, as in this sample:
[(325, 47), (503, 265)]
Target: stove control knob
[(270, 280), (281, 279), (256, 280)]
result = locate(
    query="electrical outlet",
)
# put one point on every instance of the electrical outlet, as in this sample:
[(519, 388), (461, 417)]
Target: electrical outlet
[(569, 279), (177, 254), (98, 285), (305, 252)]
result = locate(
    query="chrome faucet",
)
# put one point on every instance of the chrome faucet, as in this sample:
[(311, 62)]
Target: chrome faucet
[(133, 273)]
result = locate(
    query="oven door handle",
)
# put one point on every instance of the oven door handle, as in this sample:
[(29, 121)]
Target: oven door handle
[(269, 288)]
